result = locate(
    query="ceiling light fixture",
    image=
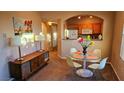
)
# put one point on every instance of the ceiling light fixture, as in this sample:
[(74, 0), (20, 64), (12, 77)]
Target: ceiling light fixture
[(79, 17), (50, 23), (91, 16)]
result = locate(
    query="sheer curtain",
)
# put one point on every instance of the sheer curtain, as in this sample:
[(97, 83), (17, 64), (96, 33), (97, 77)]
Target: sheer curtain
[(122, 46)]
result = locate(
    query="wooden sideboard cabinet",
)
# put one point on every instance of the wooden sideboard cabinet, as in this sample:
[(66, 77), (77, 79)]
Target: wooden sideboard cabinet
[(21, 70)]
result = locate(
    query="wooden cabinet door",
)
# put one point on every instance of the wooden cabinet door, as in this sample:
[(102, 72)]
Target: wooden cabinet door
[(15, 70), (96, 28), (41, 60), (86, 26), (46, 56), (73, 26), (34, 64), (25, 68)]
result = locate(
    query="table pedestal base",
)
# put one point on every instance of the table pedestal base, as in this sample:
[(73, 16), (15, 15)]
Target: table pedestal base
[(84, 73)]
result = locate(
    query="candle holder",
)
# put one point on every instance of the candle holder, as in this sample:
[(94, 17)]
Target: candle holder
[(40, 38), (17, 42)]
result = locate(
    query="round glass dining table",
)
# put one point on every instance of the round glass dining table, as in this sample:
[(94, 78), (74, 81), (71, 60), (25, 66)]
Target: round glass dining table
[(84, 72)]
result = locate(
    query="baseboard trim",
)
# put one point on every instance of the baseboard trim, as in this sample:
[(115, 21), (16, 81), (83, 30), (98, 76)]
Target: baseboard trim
[(61, 57), (114, 71)]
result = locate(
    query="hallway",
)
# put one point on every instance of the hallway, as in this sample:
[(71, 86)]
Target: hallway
[(58, 70)]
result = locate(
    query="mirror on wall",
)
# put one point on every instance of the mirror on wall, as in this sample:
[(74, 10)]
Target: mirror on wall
[(83, 25)]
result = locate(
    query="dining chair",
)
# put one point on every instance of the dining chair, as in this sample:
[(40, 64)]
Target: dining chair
[(99, 66), (95, 52), (72, 50), (73, 64)]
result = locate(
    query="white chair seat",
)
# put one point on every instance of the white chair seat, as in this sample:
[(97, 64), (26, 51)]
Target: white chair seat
[(72, 63), (96, 52), (94, 66), (99, 66), (72, 50), (77, 65)]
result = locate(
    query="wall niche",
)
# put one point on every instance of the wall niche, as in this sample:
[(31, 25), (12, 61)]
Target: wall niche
[(84, 25)]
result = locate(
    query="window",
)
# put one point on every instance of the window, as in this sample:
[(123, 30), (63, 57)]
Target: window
[(122, 46)]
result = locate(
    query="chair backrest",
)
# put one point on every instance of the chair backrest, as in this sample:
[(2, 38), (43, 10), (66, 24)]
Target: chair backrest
[(72, 50), (102, 63), (70, 61), (97, 52)]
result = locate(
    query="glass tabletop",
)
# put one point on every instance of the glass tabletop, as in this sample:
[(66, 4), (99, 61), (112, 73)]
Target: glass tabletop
[(80, 56)]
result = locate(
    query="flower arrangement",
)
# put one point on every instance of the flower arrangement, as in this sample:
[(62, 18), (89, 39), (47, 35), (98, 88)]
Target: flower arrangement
[(85, 43)]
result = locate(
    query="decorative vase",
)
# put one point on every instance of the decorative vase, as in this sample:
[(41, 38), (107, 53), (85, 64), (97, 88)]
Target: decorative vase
[(84, 50)]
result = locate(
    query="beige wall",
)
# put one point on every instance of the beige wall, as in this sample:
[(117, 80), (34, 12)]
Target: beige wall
[(117, 62), (6, 27), (105, 44), (45, 30), (6, 24), (59, 50)]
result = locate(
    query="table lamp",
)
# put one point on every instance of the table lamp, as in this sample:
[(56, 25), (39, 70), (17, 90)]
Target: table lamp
[(17, 42), (40, 38)]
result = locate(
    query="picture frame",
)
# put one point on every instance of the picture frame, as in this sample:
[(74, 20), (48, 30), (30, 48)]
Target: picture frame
[(22, 25)]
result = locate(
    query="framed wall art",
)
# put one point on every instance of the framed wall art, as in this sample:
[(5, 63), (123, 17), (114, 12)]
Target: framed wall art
[(22, 25)]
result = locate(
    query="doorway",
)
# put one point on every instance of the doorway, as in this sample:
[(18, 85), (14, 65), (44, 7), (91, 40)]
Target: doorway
[(51, 35)]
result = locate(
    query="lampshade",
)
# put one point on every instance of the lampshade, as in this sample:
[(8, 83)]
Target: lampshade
[(17, 40), (36, 38), (40, 37), (28, 36), (48, 38)]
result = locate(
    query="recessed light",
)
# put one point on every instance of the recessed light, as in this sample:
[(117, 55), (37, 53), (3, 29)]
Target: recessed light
[(79, 17), (91, 16)]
